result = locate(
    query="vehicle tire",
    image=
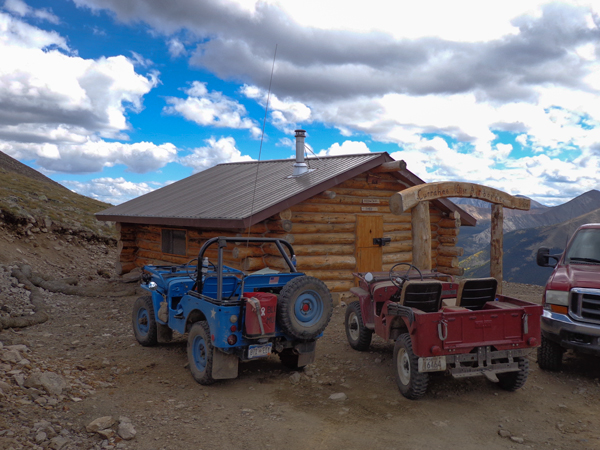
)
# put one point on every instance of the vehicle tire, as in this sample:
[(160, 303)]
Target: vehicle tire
[(304, 307), (511, 381), (411, 382), (290, 359), (200, 352), (144, 322), (359, 337), (549, 355)]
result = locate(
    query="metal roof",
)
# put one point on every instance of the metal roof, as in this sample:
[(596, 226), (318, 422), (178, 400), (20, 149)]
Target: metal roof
[(238, 195)]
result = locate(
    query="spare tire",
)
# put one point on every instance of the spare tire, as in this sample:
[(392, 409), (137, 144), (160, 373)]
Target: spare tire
[(304, 307)]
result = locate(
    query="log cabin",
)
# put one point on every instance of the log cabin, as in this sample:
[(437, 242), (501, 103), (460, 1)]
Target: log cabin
[(334, 210)]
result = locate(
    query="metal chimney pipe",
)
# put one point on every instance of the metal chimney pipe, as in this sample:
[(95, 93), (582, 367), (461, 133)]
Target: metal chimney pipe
[(300, 166)]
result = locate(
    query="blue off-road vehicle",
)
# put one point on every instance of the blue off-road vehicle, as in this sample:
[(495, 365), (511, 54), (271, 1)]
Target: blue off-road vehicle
[(230, 315)]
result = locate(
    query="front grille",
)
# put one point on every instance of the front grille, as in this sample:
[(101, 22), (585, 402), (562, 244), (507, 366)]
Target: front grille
[(585, 304)]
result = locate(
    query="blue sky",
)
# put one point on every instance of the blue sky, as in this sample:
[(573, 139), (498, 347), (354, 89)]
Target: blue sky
[(115, 98)]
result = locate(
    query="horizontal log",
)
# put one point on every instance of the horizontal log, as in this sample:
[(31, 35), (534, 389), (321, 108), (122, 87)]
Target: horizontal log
[(364, 184), (448, 231), (155, 246), (366, 193), (350, 200), (337, 208), (447, 240), (456, 271), (392, 166), (332, 238), (300, 217), (278, 225), (311, 250), (329, 262), (150, 255), (399, 235), (394, 258), (329, 274), (401, 226), (399, 246), (450, 251), (449, 223), (123, 268), (245, 252), (209, 234), (447, 261), (434, 217), (323, 227), (253, 264), (125, 244), (339, 286), (127, 251), (127, 257)]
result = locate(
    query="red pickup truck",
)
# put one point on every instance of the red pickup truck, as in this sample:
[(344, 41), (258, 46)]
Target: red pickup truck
[(571, 315)]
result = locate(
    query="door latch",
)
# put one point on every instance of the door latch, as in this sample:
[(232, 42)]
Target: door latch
[(381, 241)]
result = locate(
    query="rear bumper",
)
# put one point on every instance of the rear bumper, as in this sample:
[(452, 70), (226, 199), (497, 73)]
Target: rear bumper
[(579, 336)]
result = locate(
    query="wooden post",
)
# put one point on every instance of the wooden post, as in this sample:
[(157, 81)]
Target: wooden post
[(421, 236), (496, 243)]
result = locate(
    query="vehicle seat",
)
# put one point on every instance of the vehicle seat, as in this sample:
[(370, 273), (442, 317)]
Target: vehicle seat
[(474, 293), (423, 295)]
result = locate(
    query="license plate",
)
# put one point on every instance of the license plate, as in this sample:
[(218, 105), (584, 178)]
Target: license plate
[(432, 364), (259, 351)]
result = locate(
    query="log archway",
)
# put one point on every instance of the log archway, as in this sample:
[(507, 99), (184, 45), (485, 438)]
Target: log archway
[(417, 200)]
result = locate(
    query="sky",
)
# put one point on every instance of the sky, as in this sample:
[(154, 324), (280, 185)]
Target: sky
[(115, 98)]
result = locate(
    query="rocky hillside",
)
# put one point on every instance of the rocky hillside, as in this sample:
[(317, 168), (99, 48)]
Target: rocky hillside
[(477, 239), (31, 203)]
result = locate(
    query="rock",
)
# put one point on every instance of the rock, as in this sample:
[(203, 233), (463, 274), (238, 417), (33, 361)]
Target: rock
[(10, 356), (126, 431), (50, 381), (102, 423), (40, 437), (338, 397), (295, 378), (58, 442), (5, 386), (518, 440), (504, 433)]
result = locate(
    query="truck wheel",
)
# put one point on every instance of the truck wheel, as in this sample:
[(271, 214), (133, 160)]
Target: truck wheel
[(304, 307), (359, 336), (511, 381), (143, 321), (549, 355), (411, 382), (200, 352)]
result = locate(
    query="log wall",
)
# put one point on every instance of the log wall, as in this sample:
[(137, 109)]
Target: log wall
[(322, 230)]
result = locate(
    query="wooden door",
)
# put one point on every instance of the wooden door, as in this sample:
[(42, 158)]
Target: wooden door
[(368, 254)]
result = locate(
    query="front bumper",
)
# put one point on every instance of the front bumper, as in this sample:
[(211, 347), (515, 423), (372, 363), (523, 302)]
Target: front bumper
[(579, 336)]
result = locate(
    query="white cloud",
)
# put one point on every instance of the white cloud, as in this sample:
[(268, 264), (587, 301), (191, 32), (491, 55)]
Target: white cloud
[(215, 152), (20, 8), (94, 155), (176, 47), (111, 190), (211, 109), (347, 148)]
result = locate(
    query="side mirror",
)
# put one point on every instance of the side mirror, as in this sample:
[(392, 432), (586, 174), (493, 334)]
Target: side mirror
[(543, 258)]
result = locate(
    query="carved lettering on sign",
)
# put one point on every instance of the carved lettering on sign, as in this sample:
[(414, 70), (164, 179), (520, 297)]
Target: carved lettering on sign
[(370, 200), (369, 208)]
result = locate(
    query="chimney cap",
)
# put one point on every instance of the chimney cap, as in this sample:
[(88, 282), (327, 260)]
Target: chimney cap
[(300, 132)]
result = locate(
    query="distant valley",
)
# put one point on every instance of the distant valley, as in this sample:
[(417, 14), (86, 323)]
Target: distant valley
[(524, 233)]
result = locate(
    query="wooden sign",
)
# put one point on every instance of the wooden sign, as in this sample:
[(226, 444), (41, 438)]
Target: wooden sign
[(404, 200), (369, 208), (370, 200)]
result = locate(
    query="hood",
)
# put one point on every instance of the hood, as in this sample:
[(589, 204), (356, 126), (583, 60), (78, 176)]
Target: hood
[(569, 276)]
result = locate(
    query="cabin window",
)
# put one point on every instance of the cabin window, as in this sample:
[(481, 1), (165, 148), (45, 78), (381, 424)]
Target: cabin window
[(174, 242)]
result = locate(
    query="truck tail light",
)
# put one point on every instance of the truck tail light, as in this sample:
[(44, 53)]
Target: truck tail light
[(232, 339)]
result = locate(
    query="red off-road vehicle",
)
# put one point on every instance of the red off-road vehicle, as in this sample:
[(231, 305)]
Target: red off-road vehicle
[(464, 328)]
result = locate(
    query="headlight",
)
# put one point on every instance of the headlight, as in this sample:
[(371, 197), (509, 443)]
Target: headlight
[(557, 298)]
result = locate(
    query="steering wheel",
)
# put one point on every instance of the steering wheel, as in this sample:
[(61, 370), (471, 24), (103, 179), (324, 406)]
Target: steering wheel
[(397, 279), (194, 275)]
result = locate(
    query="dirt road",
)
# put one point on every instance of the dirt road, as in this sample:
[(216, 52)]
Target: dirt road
[(89, 343)]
